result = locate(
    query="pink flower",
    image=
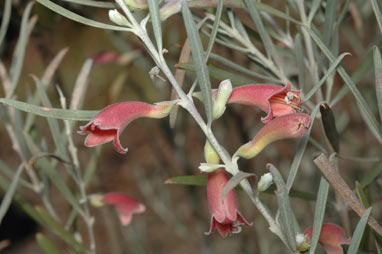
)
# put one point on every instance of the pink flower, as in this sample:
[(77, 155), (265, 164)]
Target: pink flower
[(109, 123), (105, 57), (287, 126), (275, 100), (125, 205), (225, 213), (331, 238)]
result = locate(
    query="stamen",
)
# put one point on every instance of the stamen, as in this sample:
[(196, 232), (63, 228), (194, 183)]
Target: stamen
[(236, 229)]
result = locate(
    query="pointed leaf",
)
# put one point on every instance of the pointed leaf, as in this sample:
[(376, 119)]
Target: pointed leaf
[(319, 213), (199, 60), (378, 78), (358, 233), (5, 20), (76, 115), (157, 26), (78, 18), (47, 245), (197, 180)]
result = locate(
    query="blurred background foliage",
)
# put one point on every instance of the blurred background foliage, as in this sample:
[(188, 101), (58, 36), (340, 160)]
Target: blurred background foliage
[(177, 216)]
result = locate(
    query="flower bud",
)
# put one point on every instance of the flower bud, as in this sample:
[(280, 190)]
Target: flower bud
[(96, 200), (302, 242), (137, 4), (265, 181), (210, 154), (224, 92), (117, 18), (169, 9)]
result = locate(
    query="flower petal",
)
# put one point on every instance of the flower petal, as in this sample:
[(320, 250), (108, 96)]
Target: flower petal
[(275, 100), (331, 238), (283, 127), (125, 206)]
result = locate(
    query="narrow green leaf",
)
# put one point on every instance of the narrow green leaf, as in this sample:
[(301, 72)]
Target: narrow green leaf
[(47, 245), (377, 13), (349, 82), (214, 32), (362, 195), (5, 20), (275, 12), (157, 26), (319, 213), (6, 202), (75, 115), (378, 78), (198, 56), (255, 15), (197, 180), (358, 233), (100, 4), (239, 68), (78, 18), (60, 230), (300, 61), (22, 42), (330, 17), (331, 69), (220, 74), (315, 5), (371, 174), (300, 151), (92, 165), (288, 220)]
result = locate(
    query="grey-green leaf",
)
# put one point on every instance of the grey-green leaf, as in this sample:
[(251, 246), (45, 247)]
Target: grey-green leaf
[(378, 78), (74, 16), (358, 233), (155, 19), (199, 60), (75, 115), (319, 213)]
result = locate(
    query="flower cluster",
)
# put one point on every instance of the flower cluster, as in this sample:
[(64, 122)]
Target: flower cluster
[(283, 120)]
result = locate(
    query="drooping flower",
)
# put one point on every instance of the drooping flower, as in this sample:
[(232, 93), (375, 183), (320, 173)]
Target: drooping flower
[(225, 215), (331, 238), (109, 123), (125, 205), (275, 100), (288, 126), (105, 57)]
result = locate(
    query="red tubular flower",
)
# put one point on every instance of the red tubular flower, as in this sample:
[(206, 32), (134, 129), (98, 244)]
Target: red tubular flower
[(112, 120), (105, 57), (283, 127), (331, 238), (225, 213), (125, 205), (275, 100)]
